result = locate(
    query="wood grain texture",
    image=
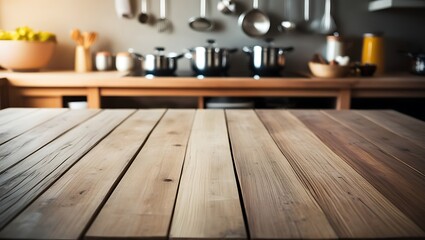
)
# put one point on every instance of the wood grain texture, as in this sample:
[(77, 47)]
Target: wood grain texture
[(400, 124), (15, 128), (10, 114), (352, 205), (65, 209), (208, 203), (402, 148), (25, 144), (22, 183), (277, 205), (142, 204), (404, 187)]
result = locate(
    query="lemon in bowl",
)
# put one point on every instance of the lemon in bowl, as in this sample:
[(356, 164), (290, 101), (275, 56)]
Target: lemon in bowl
[(26, 50)]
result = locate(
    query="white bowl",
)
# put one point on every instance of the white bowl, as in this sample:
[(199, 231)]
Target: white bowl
[(77, 105), (25, 56)]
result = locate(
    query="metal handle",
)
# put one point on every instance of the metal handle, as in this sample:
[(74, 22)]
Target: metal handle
[(135, 54), (159, 49), (144, 6), (255, 4), (247, 50), (162, 9), (327, 22), (306, 10), (288, 6), (203, 10)]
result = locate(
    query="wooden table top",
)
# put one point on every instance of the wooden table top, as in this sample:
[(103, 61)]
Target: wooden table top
[(213, 174)]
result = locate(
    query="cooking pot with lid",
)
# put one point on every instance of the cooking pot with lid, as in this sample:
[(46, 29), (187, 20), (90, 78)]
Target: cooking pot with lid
[(158, 64), (209, 60), (267, 61), (417, 64)]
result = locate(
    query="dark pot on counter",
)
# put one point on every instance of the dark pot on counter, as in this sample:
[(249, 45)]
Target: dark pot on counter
[(417, 64), (210, 60), (267, 61), (158, 64)]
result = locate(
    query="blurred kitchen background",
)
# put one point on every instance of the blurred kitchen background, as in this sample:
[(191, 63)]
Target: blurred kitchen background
[(402, 29)]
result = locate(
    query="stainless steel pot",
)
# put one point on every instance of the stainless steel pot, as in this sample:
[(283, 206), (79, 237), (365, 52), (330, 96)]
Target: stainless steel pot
[(417, 64), (158, 64), (210, 60), (267, 61)]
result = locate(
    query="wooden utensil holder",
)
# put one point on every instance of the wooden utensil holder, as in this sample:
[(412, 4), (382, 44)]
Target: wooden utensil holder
[(83, 60)]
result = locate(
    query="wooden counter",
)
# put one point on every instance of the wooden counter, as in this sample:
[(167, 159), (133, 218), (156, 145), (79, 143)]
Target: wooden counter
[(211, 174), (46, 89)]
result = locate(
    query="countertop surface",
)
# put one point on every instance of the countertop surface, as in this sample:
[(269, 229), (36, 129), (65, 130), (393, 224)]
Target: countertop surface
[(121, 79), (213, 174)]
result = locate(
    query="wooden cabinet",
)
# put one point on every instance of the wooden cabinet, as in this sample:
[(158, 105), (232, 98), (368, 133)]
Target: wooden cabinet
[(47, 89), (4, 101)]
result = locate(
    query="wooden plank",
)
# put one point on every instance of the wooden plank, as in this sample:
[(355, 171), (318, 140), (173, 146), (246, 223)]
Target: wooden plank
[(277, 205), (404, 187), (10, 114), (352, 205), (401, 148), (141, 205), (208, 203), (20, 147), (400, 124), (23, 124), (22, 183), (65, 209)]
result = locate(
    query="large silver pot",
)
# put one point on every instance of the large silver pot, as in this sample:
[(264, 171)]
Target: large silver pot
[(267, 61), (210, 60), (158, 64)]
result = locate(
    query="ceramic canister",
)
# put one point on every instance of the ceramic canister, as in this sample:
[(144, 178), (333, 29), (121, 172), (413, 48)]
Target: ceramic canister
[(124, 61), (334, 47), (103, 61)]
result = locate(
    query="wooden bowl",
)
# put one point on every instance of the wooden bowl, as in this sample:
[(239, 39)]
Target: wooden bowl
[(25, 56), (328, 71)]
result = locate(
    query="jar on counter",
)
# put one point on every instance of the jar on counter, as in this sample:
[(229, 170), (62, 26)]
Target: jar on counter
[(334, 47), (124, 62), (103, 61), (373, 51)]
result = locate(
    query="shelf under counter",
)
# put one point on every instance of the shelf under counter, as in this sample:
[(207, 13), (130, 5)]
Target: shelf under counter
[(46, 89)]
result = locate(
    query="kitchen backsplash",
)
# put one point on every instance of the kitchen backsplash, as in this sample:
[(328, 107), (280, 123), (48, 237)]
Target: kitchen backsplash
[(401, 28)]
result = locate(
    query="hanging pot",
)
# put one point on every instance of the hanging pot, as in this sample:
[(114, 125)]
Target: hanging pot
[(158, 64), (254, 22), (210, 60)]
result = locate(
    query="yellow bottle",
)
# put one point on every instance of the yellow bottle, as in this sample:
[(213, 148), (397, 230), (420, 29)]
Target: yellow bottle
[(373, 52)]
